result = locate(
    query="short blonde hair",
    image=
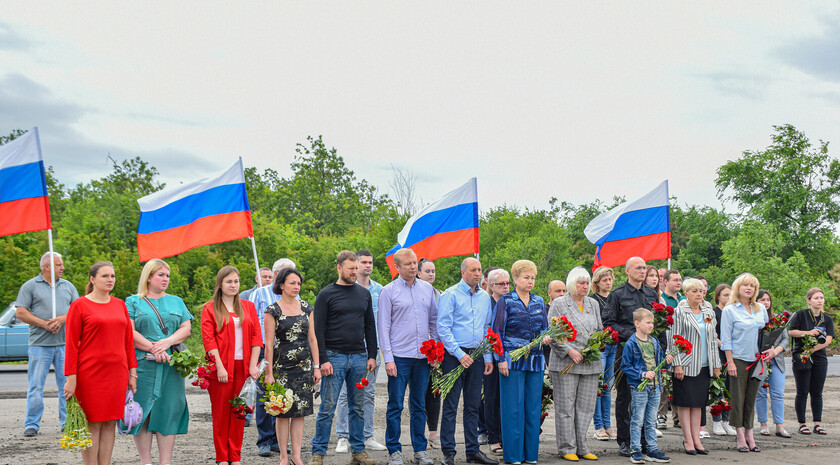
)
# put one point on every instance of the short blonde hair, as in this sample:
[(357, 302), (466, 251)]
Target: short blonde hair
[(152, 267), (692, 283), (600, 273), (641, 313), (522, 266), (735, 296)]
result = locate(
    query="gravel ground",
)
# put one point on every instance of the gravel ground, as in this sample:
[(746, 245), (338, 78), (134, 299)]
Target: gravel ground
[(197, 447)]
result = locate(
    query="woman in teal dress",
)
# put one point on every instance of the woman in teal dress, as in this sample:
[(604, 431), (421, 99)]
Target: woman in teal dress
[(160, 389)]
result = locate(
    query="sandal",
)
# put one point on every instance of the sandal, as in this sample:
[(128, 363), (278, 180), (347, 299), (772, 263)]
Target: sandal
[(764, 431), (819, 430), (743, 449), (782, 433), (755, 449), (803, 429), (497, 450)]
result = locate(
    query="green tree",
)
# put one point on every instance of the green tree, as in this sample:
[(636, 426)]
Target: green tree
[(791, 185)]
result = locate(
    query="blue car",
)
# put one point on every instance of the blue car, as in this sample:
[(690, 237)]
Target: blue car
[(14, 336)]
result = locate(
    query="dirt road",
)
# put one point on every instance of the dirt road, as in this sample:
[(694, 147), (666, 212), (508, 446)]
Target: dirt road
[(197, 448)]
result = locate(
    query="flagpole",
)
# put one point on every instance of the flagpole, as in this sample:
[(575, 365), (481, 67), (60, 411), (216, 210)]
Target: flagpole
[(256, 261), (52, 269)]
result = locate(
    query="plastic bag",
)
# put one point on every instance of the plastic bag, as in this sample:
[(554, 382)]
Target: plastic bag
[(251, 387)]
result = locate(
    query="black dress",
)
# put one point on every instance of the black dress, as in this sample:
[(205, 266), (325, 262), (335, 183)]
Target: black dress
[(293, 358)]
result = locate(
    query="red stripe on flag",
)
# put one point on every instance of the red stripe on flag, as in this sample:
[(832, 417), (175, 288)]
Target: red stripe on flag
[(441, 245), (652, 247), (25, 215), (203, 231)]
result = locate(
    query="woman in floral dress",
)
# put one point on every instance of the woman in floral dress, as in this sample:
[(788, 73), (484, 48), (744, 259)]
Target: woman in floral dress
[(290, 343)]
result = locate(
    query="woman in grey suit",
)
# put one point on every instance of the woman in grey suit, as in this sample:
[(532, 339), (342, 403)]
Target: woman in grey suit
[(575, 393), (694, 320)]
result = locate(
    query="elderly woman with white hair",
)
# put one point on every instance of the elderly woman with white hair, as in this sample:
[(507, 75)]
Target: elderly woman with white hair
[(519, 317), (575, 393), (694, 319)]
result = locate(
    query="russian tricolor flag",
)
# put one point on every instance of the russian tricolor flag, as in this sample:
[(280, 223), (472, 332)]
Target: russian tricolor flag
[(24, 205), (640, 228), (445, 228), (204, 212)]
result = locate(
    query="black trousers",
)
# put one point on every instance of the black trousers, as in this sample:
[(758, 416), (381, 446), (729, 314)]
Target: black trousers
[(810, 380), (492, 403), (432, 407), (622, 400)]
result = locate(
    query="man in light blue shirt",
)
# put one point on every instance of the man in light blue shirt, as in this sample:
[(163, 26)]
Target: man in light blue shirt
[(265, 278), (342, 429), (262, 298), (464, 316)]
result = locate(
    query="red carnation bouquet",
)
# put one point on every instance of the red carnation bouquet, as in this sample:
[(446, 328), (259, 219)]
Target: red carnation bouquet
[(203, 372), (718, 397), (491, 343), (559, 328), (682, 345), (364, 382), (663, 318), (434, 352), (596, 343)]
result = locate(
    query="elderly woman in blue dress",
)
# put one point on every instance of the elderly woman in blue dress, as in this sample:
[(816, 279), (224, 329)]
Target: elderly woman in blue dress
[(575, 393), (519, 317), (160, 321)]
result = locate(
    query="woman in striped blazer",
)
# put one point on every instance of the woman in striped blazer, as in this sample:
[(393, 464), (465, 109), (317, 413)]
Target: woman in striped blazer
[(694, 320)]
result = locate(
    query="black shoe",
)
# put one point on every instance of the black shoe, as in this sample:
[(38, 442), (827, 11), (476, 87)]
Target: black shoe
[(479, 457), (624, 450), (448, 460), (702, 451), (30, 433), (276, 448)]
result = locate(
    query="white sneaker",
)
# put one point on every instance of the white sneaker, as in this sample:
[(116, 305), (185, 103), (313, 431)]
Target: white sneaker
[(718, 430), (371, 444), (395, 458), (704, 434), (730, 431), (342, 446), (658, 433), (422, 458)]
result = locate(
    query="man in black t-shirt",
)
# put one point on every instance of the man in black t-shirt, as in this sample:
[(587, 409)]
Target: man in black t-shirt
[(622, 302), (346, 332)]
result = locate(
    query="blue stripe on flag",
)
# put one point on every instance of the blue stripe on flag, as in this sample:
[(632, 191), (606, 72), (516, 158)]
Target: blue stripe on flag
[(638, 223), (229, 198), (441, 221), (22, 182)]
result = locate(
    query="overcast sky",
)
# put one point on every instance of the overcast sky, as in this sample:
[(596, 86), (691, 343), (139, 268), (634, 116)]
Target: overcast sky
[(576, 100)]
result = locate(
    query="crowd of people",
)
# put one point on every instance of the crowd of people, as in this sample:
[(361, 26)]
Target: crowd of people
[(102, 348)]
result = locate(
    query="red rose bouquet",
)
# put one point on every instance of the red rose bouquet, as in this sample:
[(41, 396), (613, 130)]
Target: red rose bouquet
[(663, 318), (808, 344), (203, 372), (559, 328), (603, 387), (596, 343), (491, 343), (547, 396), (240, 407), (718, 397), (682, 346), (778, 321)]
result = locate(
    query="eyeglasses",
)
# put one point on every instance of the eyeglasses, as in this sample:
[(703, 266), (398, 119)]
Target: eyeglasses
[(504, 284)]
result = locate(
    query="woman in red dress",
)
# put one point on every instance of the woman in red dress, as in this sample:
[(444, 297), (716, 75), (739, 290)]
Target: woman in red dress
[(232, 335), (99, 360)]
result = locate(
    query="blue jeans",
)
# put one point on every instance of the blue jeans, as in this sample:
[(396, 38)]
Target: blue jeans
[(348, 369), (40, 360), (369, 403), (777, 396), (470, 383), (522, 394), (643, 406), (604, 403), (414, 374), (266, 434)]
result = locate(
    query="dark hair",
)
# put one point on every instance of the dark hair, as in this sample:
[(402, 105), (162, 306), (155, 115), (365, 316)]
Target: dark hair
[(760, 294), (668, 274), (701, 277), (345, 255), (363, 253), (718, 290), (92, 273), (488, 270), (422, 262), (281, 277)]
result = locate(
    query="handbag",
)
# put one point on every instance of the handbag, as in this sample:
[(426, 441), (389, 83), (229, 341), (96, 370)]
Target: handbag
[(176, 348), (132, 414)]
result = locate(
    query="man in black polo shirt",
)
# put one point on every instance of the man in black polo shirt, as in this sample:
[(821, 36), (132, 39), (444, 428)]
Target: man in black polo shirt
[(621, 304), (346, 332)]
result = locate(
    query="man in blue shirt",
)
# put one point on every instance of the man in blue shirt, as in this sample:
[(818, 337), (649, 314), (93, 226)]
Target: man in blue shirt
[(265, 278), (464, 316)]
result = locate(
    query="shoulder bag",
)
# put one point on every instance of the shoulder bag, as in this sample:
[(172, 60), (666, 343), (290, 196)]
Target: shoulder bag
[(176, 348)]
